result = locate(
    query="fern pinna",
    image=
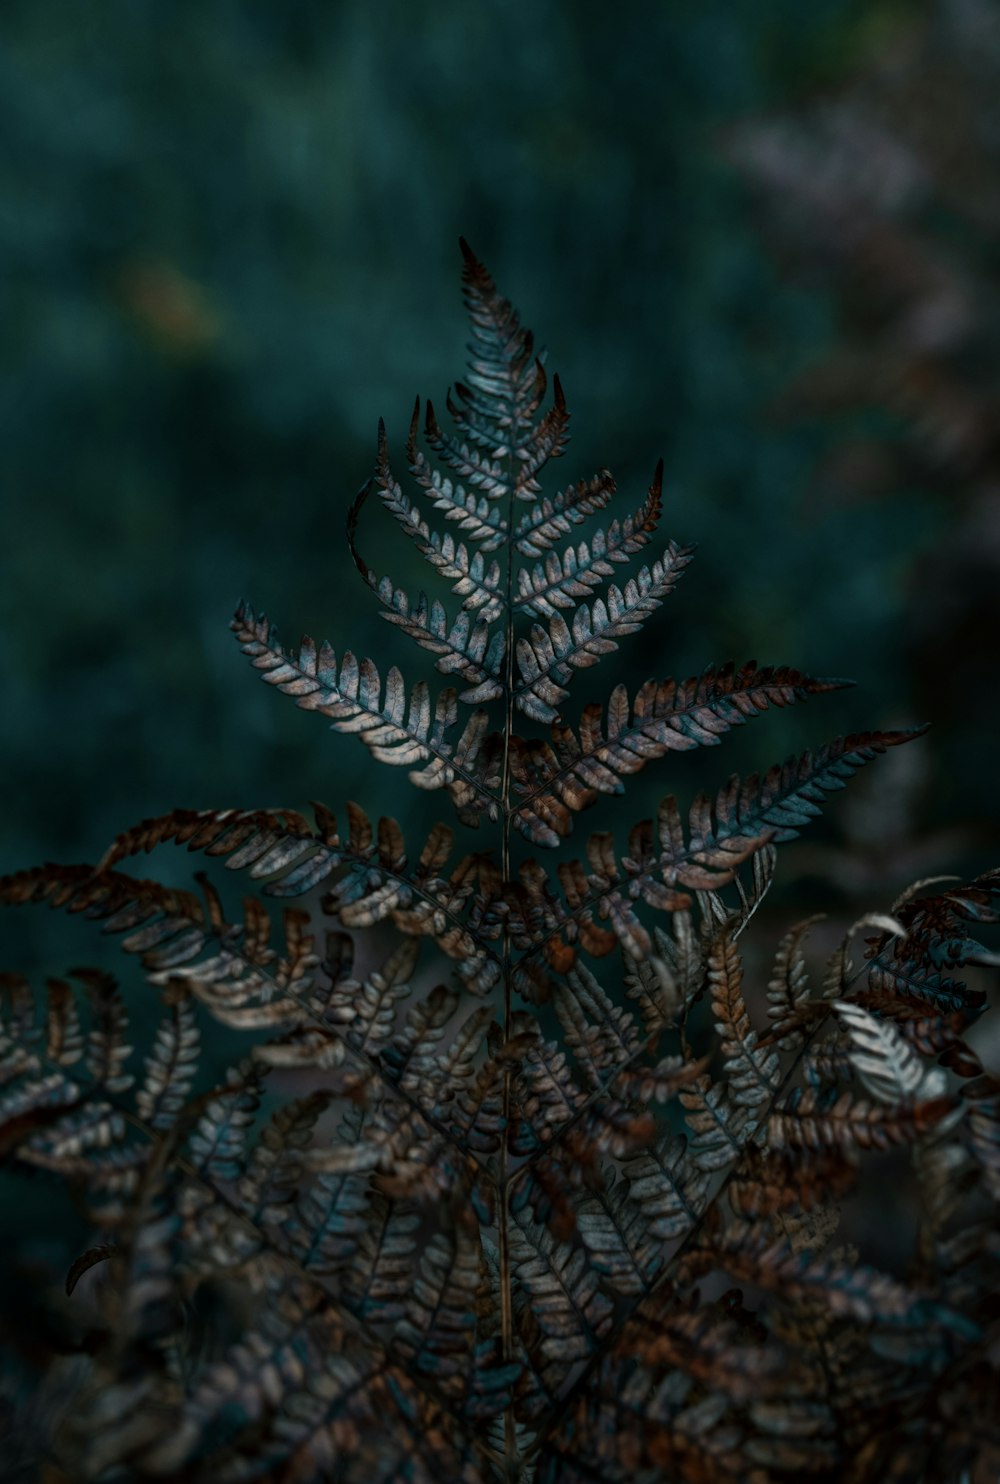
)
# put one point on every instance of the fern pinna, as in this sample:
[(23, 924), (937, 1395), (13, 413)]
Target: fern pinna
[(493, 1229)]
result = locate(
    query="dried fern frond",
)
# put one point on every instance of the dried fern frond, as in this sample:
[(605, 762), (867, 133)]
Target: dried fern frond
[(467, 1203)]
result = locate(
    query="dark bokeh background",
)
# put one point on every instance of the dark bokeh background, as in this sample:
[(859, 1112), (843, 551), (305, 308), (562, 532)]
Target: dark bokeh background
[(758, 239)]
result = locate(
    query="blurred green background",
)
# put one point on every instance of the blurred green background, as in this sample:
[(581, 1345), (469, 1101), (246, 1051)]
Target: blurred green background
[(229, 243)]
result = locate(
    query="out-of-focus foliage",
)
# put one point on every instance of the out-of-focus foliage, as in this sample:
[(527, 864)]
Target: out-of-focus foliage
[(887, 190), (213, 218)]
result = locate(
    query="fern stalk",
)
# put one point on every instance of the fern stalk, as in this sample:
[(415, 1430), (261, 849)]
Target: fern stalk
[(506, 1297)]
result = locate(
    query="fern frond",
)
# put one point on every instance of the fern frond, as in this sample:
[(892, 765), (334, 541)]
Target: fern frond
[(718, 1125), (790, 794), (107, 1049), (545, 441), (505, 382), (294, 1387), (546, 660), (379, 881), (419, 1157), (454, 1066), (437, 1336), (718, 1345), (63, 1033), (547, 521), (72, 1127), (569, 773), (242, 981), (615, 1230), (935, 943), (982, 1097), (273, 1172), (670, 1187), (173, 1062), (672, 1398), (744, 817), (543, 923), (753, 1076), (688, 1443), (810, 1120), (889, 1069), (480, 469), (381, 1276), (243, 994), (410, 1237), (568, 1312), (415, 1046), (465, 647), (602, 1036), (718, 914), (569, 575), (548, 1093), (663, 983), (353, 697), (772, 1182), (217, 1143), (330, 1215), (367, 1008), (788, 987), (478, 584), (859, 1291), (920, 981), (481, 521), (33, 1101)]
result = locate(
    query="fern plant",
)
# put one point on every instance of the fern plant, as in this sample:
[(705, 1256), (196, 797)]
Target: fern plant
[(492, 1229)]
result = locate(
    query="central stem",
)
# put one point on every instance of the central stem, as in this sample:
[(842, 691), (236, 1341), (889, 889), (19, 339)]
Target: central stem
[(506, 1304)]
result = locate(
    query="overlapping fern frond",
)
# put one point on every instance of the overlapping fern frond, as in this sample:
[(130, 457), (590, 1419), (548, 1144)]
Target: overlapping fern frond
[(472, 1209)]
